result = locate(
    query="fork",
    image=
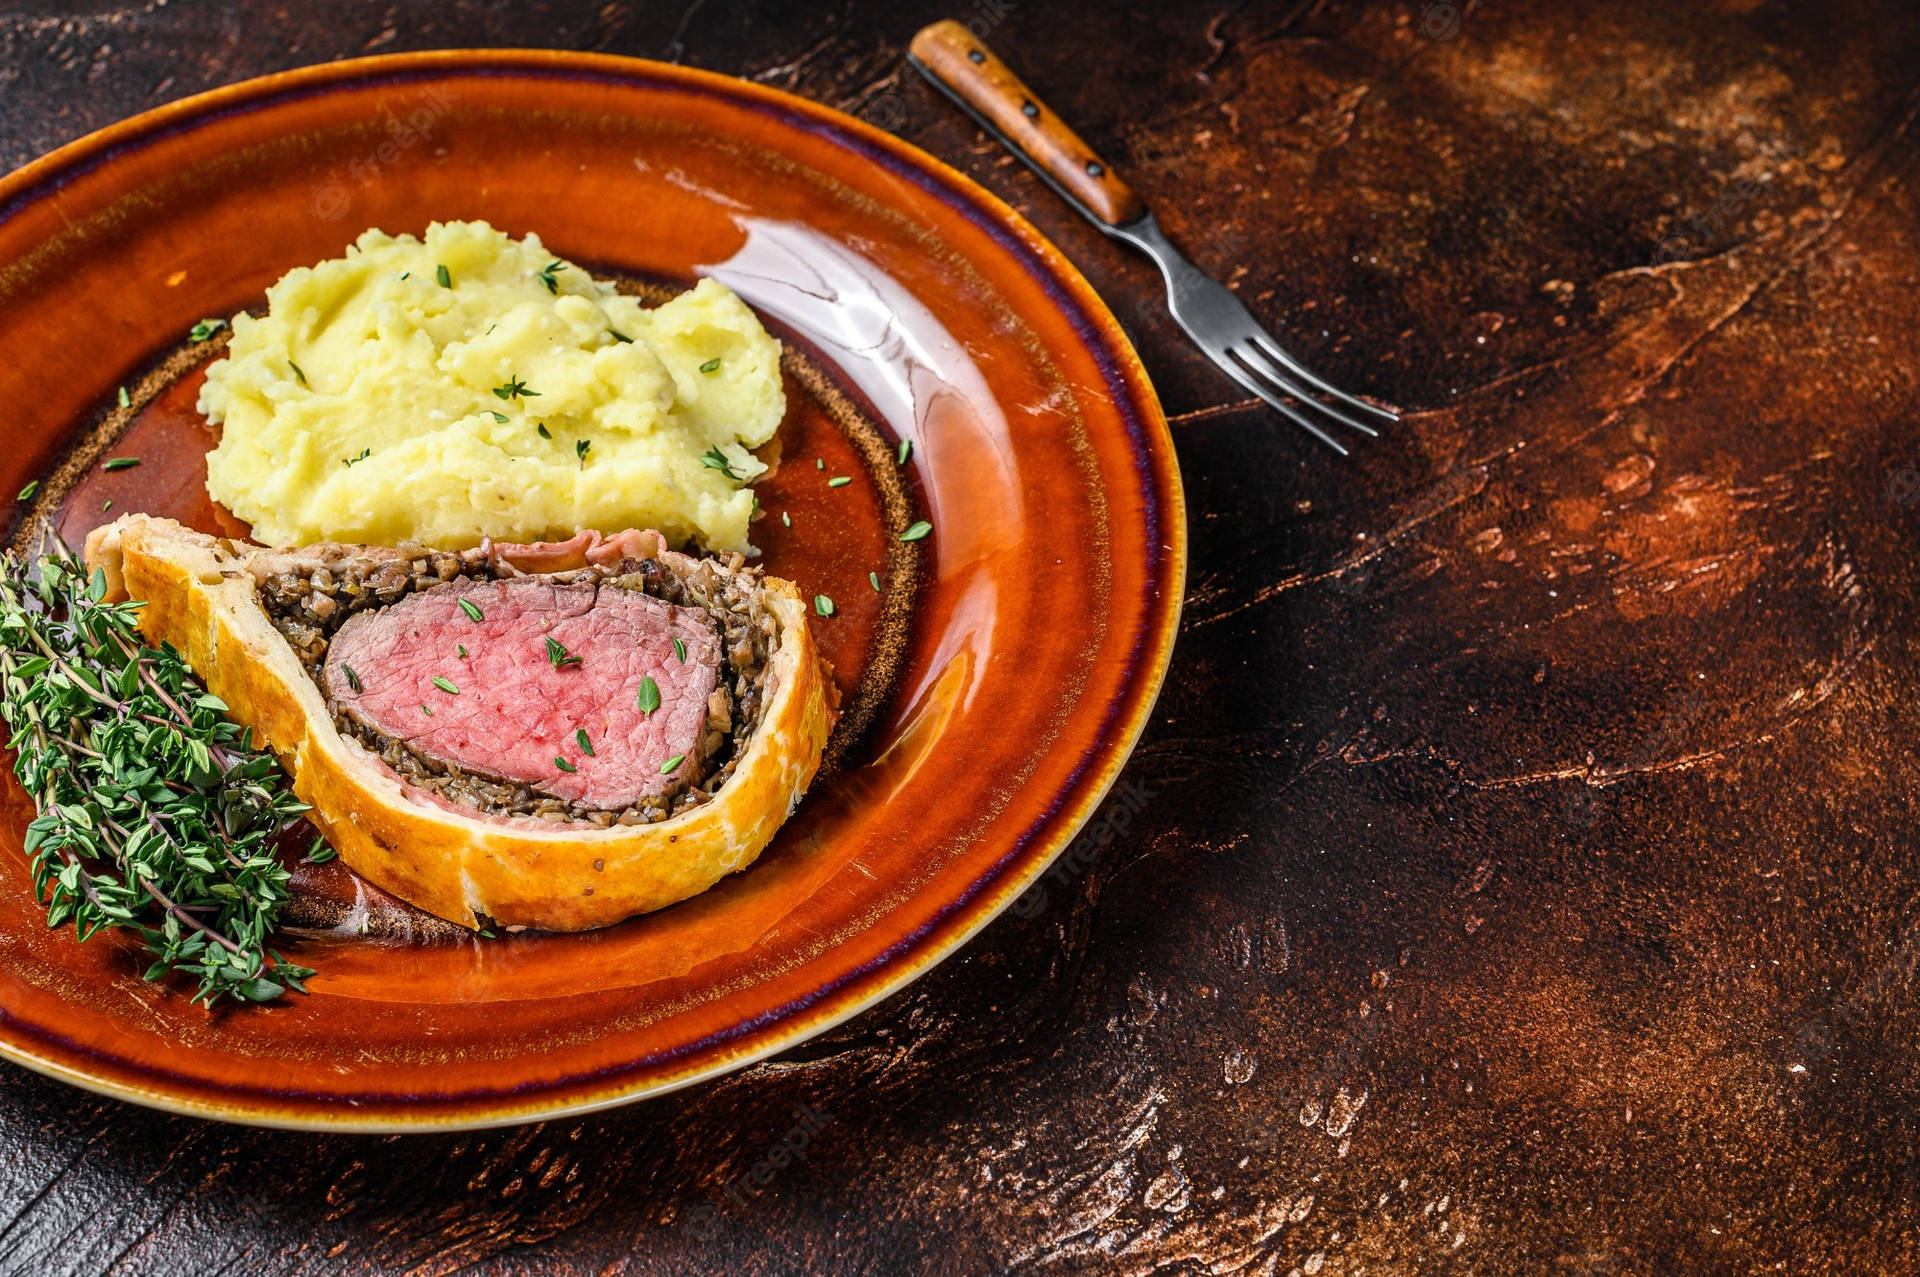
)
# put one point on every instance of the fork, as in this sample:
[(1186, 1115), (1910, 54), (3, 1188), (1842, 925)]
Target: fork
[(961, 66)]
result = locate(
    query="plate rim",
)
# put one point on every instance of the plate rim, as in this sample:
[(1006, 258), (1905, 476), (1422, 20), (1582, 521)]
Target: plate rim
[(944, 936)]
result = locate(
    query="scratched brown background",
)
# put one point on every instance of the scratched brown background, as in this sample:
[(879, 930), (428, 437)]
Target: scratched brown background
[(1519, 875)]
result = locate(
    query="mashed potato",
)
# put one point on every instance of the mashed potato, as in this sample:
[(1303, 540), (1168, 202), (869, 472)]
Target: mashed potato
[(472, 386)]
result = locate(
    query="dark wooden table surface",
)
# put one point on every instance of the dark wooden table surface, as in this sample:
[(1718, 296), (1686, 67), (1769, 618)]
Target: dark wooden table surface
[(1520, 873)]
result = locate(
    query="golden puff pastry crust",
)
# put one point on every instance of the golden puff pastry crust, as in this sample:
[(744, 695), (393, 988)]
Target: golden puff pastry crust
[(200, 596)]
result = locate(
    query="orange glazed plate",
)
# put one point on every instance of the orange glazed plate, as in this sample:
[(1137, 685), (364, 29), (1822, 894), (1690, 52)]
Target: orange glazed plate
[(995, 680)]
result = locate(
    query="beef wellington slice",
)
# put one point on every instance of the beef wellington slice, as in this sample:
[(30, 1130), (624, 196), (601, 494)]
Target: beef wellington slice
[(555, 736)]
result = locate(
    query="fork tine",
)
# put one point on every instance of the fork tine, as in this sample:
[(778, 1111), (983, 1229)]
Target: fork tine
[(1271, 348), (1260, 362), (1273, 400)]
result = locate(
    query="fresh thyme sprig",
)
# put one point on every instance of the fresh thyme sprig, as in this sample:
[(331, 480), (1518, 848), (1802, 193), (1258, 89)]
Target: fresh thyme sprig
[(156, 814)]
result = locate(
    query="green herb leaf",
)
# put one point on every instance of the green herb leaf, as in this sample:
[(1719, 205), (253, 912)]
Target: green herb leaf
[(558, 656), (461, 648), (500, 417), (124, 399), (445, 685), (26, 493), (672, 763), (547, 273), (444, 275), (472, 610), (425, 710), (296, 372), (581, 448), (542, 428), (121, 463), (714, 459), (320, 853), (712, 365), (873, 579), (786, 520), (839, 481), (155, 815), (353, 678), (823, 605), (906, 450), (205, 329), (680, 650), (580, 738), (515, 389), (917, 532), (364, 454), (620, 337), (259, 990), (649, 694), (563, 764)]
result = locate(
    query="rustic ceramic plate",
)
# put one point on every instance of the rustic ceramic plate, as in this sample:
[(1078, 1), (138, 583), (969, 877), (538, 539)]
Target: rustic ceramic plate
[(999, 676)]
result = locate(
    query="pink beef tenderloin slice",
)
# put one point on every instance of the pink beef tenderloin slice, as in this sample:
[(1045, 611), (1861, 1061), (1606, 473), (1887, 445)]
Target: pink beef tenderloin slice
[(515, 712)]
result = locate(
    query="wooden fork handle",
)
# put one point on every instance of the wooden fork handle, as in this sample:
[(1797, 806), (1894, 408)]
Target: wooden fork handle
[(967, 70)]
